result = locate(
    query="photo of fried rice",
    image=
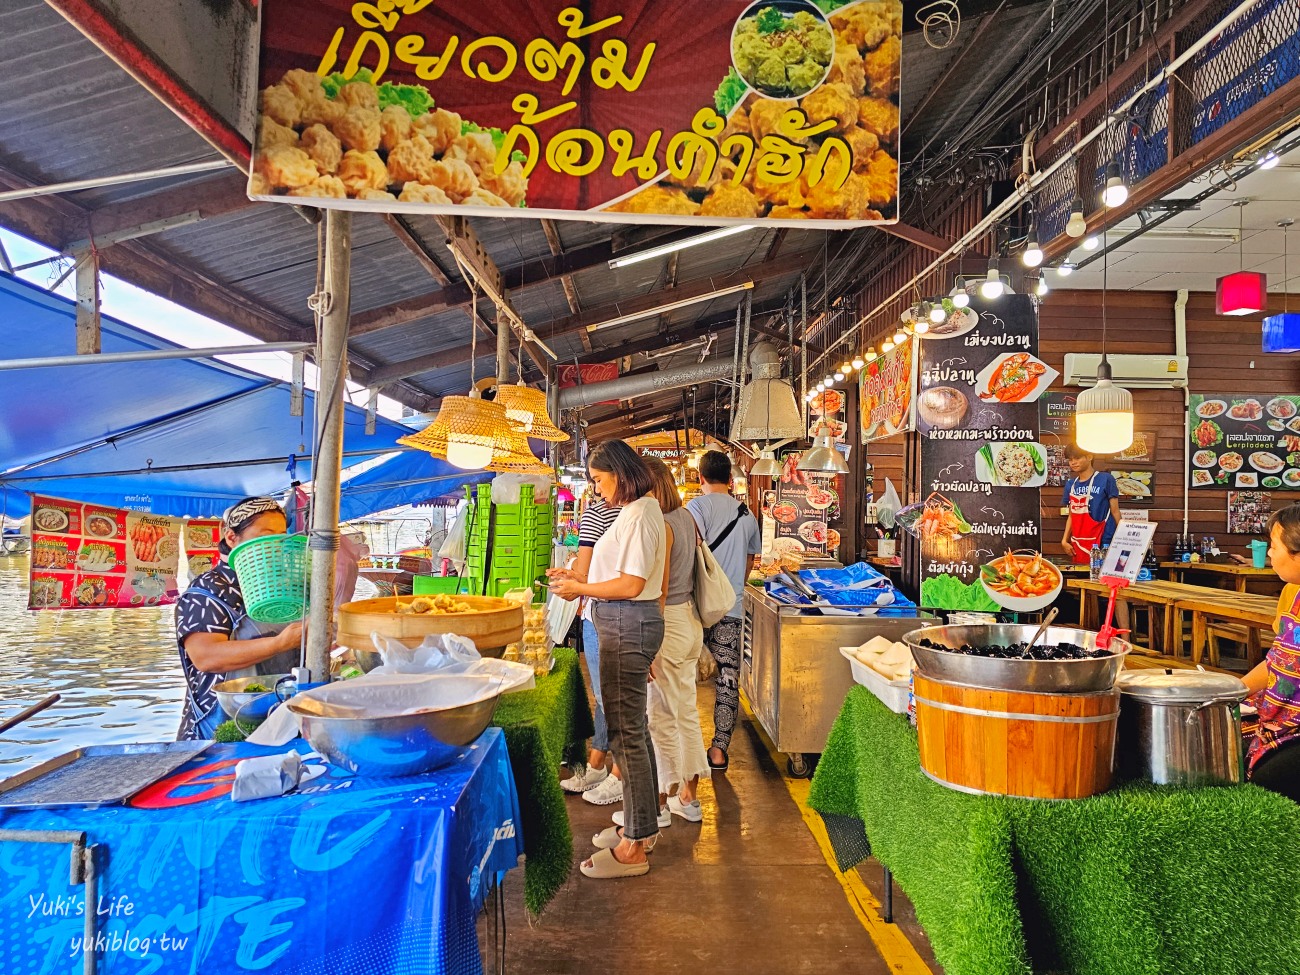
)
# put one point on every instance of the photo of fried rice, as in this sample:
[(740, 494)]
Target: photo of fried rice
[(347, 138), (860, 94)]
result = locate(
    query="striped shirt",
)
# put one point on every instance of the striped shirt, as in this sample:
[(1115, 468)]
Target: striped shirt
[(596, 520)]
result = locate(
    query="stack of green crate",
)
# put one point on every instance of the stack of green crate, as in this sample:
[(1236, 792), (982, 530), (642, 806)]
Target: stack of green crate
[(517, 537)]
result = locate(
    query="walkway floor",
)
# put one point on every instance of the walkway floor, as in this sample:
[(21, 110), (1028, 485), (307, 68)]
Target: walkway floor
[(748, 891)]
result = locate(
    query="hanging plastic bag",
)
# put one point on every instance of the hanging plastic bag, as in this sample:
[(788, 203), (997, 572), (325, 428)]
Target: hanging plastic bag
[(888, 506), (453, 546)]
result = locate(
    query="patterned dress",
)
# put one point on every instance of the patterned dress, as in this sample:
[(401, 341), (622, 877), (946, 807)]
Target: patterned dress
[(1279, 703), (212, 604)]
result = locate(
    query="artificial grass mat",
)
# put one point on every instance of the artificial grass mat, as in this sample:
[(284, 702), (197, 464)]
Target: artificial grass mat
[(1138, 881), (542, 727)]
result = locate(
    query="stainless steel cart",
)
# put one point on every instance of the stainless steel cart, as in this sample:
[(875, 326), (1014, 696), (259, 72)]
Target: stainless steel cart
[(794, 675)]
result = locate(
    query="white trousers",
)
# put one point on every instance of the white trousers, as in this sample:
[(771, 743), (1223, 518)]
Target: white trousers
[(672, 709)]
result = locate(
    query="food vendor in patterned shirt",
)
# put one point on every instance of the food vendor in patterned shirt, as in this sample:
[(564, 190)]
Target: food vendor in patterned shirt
[(1273, 757), (216, 638)]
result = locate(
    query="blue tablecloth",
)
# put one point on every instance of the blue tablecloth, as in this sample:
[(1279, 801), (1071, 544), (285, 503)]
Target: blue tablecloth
[(351, 875)]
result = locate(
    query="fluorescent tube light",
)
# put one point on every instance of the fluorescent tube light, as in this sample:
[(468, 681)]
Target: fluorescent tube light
[(662, 249), (670, 306)]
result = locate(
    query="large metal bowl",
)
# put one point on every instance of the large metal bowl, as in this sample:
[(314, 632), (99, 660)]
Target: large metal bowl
[(251, 708), (392, 745), (1039, 676)]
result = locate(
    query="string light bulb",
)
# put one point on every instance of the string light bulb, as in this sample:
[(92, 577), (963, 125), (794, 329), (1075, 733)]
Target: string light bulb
[(921, 327), (1042, 289), (1065, 269), (1091, 242), (992, 286), (1032, 255), (858, 362), (1076, 226), (960, 299), (938, 314), (1115, 192), (887, 345)]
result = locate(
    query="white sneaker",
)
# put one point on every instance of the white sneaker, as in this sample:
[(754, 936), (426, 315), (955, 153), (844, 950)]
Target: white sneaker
[(689, 811), (606, 791), (589, 779), (665, 817)]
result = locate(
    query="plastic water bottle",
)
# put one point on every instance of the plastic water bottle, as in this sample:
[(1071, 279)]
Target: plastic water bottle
[(1095, 558)]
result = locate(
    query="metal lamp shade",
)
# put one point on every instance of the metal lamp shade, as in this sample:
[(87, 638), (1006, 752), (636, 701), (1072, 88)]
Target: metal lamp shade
[(768, 409), (766, 465), (1103, 419), (823, 458), (1241, 293)]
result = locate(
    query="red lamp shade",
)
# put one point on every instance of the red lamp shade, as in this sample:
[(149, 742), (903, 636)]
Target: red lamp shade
[(1241, 293), (1282, 332)]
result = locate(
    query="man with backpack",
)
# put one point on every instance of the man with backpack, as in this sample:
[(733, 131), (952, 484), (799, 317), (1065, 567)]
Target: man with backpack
[(732, 532)]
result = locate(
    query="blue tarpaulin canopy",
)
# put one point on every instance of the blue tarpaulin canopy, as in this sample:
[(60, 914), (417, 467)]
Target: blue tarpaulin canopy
[(183, 437)]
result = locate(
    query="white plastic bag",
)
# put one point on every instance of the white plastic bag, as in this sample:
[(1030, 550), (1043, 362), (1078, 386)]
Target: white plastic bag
[(448, 654), (453, 546), (888, 506), (505, 487)]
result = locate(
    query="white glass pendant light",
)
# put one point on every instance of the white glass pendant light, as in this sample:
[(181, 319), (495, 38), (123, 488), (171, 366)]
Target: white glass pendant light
[(1076, 226), (1103, 419), (992, 286)]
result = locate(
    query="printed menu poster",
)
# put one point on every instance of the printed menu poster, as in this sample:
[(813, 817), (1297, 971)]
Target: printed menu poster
[(689, 113), (981, 456), (1249, 511), (806, 506), (1056, 422), (86, 556), (887, 388), (202, 537), (1247, 442), (828, 408)]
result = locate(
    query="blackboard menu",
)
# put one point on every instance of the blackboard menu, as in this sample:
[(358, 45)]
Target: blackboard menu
[(981, 456), (807, 509), (1242, 441)]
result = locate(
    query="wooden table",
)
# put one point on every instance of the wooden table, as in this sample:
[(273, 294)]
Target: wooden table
[(1256, 613), (1228, 575), (1159, 595)]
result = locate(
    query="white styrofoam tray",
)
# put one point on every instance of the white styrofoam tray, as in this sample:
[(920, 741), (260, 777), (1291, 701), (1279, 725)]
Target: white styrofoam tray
[(892, 693)]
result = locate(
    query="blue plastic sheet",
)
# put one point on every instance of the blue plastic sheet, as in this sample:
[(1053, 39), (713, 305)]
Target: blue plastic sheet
[(854, 586), (352, 875)]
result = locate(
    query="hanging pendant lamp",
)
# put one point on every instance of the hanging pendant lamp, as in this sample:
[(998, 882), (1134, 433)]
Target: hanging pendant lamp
[(822, 457), (1241, 292), (1103, 418), (526, 407), (766, 465), (1282, 331), (768, 409), (512, 455), (464, 432)]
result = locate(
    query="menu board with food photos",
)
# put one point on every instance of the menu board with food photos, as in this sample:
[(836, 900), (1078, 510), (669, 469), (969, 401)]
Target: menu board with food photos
[(1242, 441), (828, 408), (982, 460), (202, 536), (886, 393), (1056, 423), (1249, 511), (86, 556), (806, 507)]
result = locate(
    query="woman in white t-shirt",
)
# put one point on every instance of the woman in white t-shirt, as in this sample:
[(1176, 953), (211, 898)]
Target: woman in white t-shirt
[(625, 581)]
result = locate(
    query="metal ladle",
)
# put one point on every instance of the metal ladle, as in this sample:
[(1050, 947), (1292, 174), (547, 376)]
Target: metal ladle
[(1042, 628)]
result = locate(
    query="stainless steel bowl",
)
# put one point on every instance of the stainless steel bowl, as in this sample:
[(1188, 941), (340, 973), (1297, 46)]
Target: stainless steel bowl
[(1040, 676), (251, 708), (392, 745), (368, 660)]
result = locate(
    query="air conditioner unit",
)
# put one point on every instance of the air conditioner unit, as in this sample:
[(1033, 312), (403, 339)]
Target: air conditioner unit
[(1130, 371)]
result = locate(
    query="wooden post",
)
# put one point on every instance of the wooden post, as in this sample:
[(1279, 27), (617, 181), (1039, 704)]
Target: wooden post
[(327, 462), (88, 339)]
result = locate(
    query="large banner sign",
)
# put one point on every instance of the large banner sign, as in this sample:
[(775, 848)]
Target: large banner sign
[(886, 393), (667, 111)]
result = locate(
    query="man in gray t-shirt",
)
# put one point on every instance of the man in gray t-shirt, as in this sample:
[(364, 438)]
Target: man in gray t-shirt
[(733, 534)]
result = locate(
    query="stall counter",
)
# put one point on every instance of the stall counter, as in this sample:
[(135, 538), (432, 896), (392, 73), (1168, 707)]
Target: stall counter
[(793, 674)]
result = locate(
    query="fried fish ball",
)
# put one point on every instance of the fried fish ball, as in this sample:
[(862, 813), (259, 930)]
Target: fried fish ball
[(411, 161), (330, 187), (394, 126), (832, 101), (880, 115), (475, 148), (455, 177), (882, 179), (323, 147), (420, 605), (382, 196), (738, 123), (805, 75), (847, 69), (510, 184), (258, 185), (440, 127), (304, 84), (359, 94), (484, 198), (865, 26), (286, 166), (363, 170), (882, 68), (728, 200), (657, 199), (864, 143), (281, 104), (272, 133), (765, 113), (825, 202), (404, 608), (317, 109), (787, 213), (419, 193), (359, 129)]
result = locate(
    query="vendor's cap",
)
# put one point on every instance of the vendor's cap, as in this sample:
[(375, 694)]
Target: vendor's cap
[(240, 514)]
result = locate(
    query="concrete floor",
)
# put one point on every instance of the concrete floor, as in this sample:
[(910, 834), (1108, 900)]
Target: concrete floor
[(748, 891)]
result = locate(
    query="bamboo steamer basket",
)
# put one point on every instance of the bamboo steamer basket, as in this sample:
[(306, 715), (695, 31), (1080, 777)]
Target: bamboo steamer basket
[(493, 623), (1015, 743)]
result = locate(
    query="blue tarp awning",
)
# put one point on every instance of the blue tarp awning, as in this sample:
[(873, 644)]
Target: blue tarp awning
[(408, 478), (180, 437)]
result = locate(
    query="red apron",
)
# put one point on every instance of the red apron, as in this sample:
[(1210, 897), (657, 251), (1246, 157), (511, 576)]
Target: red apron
[(1085, 530)]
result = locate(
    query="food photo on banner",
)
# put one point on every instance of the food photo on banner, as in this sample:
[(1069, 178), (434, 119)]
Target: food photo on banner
[(87, 556), (806, 511), (730, 111), (1249, 511), (886, 393), (979, 381), (1241, 441)]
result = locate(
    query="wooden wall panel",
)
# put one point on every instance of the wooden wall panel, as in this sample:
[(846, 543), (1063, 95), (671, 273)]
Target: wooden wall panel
[(1224, 356)]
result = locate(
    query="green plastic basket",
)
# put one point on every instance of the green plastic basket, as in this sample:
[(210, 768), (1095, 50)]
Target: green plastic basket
[(273, 572)]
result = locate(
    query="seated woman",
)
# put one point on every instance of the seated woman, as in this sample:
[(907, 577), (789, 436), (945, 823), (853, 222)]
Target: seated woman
[(216, 638), (1273, 759)]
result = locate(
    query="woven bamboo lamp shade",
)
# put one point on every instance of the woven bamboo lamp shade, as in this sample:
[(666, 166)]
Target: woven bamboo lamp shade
[(513, 456), (526, 407), (465, 431)]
